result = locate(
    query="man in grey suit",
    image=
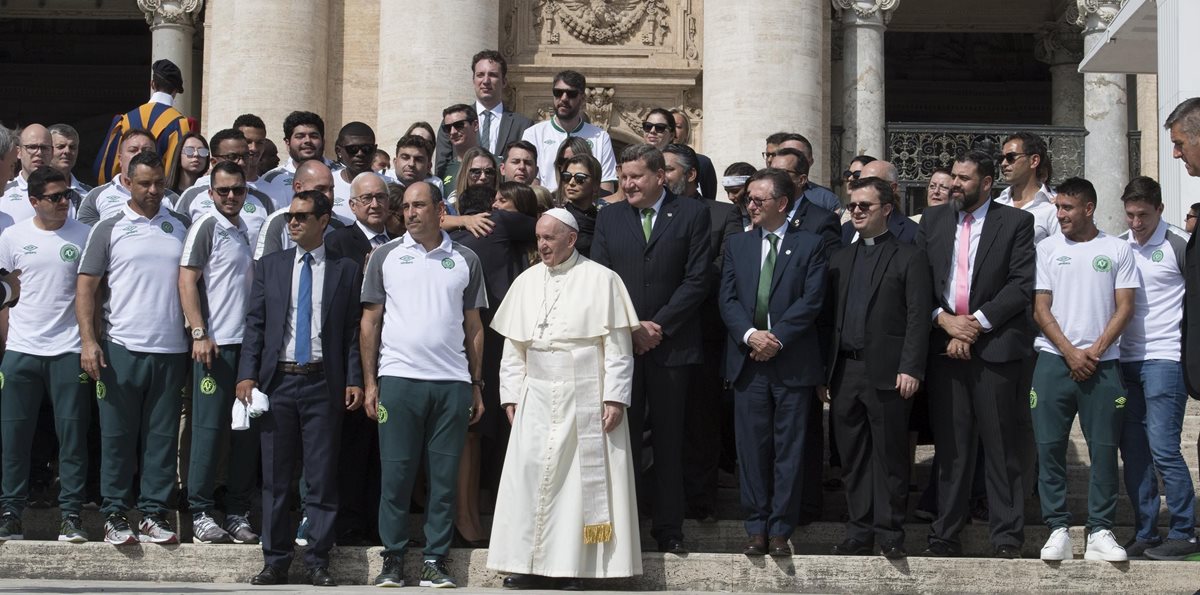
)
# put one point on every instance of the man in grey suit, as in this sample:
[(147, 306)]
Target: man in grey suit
[(498, 126)]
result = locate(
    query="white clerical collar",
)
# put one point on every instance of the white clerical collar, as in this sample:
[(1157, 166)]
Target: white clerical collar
[(565, 265), (874, 240)]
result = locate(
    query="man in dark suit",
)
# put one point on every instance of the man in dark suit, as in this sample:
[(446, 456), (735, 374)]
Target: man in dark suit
[(981, 258), (659, 244), (1182, 126), (497, 125), (882, 284), (772, 287), (305, 357)]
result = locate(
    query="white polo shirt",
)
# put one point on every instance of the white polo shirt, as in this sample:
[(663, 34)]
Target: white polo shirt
[(277, 183), (43, 320), (223, 252), (109, 200), (14, 204), (424, 295), (1083, 277), (547, 137), (140, 259), (195, 203), (1045, 214), (341, 198), (1155, 330)]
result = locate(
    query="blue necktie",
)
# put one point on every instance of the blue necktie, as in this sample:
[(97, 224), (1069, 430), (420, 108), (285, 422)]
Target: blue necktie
[(304, 313)]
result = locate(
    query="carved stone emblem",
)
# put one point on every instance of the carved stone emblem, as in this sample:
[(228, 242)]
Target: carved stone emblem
[(603, 22)]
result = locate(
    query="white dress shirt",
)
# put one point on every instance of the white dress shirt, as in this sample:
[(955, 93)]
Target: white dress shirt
[(766, 249), (494, 146), (318, 292)]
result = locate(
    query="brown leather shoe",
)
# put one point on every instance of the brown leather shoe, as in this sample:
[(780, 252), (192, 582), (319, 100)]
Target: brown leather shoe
[(757, 546), (780, 547)]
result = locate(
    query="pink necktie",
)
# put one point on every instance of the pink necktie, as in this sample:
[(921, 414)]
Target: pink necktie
[(962, 276)]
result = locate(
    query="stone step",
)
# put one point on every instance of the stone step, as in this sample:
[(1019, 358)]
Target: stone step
[(1077, 452), (1077, 477), (691, 573)]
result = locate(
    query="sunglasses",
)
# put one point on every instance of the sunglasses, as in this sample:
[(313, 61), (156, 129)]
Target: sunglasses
[(227, 190), (860, 206), (479, 172), (577, 177), (301, 216), (570, 93), (853, 175), (459, 125), (360, 149), (200, 152), (656, 127), (57, 197), (1012, 157)]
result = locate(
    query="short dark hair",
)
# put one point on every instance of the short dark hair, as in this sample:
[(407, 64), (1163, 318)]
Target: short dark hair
[(461, 107), (1078, 187), (578, 146), (412, 141), (1195, 207), (214, 144), (492, 55), (249, 121), (984, 164), (781, 183), (776, 138), (572, 78), (1032, 144), (132, 132), (476, 199), (881, 187), (861, 159), (40, 177), (782, 137), (1145, 189), (666, 115), (321, 203), (647, 154), (355, 129), (1187, 113), (522, 144), (229, 167), (147, 158), (299, 118), (684, 154), (802, 164), (422, 125)]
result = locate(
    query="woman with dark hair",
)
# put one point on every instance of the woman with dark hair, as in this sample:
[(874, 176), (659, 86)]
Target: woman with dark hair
[(579, 192), (516, 197), (193, 162), (422, 129), (574, 145)]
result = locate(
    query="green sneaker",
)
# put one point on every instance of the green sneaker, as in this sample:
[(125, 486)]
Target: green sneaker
[(71, 530), (393, 568), (434, 574)]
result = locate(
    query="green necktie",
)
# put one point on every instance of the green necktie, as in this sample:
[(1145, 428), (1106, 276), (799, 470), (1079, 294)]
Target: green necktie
[(647, 221), (763, 301)]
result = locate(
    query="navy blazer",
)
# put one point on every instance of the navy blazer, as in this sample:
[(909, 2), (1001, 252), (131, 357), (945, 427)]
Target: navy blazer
[(902, 228), (797, 291), (341, 312), (667, 277)]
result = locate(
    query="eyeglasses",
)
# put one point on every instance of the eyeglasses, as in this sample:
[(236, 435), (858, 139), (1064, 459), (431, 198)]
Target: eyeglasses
[(1012, 157), (570, 93), (655, 126), (227, 190), (767, 155), (200, 152), (936, 187), (479, 172), (459, 125), (235, 157), (57, 197), (577, 177), (758, 202), (301, 216), (37, 148), (359, 149), (861, 206), (379, 198), (853, 175)]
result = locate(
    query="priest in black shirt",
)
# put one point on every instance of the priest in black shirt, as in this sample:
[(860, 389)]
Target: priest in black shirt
[(883, 285)]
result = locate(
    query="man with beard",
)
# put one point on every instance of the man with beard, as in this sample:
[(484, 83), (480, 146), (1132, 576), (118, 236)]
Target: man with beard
[(304, 136), (231, 146), (981, 258), (569, 90), (412, 162)]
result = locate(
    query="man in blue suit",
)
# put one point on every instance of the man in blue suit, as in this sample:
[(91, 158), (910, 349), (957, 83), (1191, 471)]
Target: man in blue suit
[(772, 285), (305, 358)]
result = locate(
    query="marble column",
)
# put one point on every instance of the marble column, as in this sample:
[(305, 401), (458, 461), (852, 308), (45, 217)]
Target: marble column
[(1148, 124), (1177, 81), (425, 62), (1106, 117), (172, 27), (1060, 45), (863, 118), (267, 57), (762, 74)]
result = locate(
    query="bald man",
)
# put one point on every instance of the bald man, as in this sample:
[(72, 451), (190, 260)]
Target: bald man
[(312, 174), (34, 150), (903, 228)]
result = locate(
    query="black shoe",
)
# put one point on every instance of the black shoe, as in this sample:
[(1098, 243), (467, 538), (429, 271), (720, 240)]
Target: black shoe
[(673, 546), (526, 581), (1007, 552), (756, 546), (270, 576), (779, 547), (940, 549), (319, 577), (571, 584), (393, 572), (893, 552), (852, 547)]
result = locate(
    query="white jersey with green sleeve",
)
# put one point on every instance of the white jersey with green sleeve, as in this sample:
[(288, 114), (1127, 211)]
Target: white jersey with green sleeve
[(223, 252)]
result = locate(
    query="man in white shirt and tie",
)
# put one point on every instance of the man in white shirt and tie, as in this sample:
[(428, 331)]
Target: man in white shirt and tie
[(497, 126)]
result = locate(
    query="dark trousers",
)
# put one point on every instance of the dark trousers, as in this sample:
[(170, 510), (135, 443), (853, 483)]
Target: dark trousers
[(812, 495), (971, 403), (771, 422), (702, 451), (659, 395), (303, 417), (358, 476), (872, 434)]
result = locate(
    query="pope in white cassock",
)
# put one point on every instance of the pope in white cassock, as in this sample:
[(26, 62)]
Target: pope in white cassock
[(566, 505)]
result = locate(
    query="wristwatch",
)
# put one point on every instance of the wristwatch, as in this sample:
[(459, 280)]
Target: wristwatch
[(198, 333), (478, 383)]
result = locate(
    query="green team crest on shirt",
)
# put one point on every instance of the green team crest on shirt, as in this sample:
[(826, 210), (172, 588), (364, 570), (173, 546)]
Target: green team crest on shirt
[(382, 414), (167, 227), (208, 385), (69, 253), (1032, 399), (447, 263), (1102, 264), (83, 378), (1157, 256), (249, 208), (101, 390), (1120, 402)]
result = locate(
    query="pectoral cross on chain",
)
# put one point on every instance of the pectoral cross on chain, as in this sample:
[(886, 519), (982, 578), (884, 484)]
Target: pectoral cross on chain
[(542, 328)]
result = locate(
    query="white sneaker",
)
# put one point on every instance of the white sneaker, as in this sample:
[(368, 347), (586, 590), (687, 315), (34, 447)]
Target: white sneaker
[(1058, 547), (1102, 545), (156, 529)]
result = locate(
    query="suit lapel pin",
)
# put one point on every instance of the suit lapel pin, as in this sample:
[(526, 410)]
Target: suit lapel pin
[(670, 214), (788, 252), (795, 223)]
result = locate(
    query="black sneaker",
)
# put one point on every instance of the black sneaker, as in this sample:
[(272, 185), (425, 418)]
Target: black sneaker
[(10, 527), (393, 569), (434, 574), (71, 530), (1136, 548), (1173, 550)]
